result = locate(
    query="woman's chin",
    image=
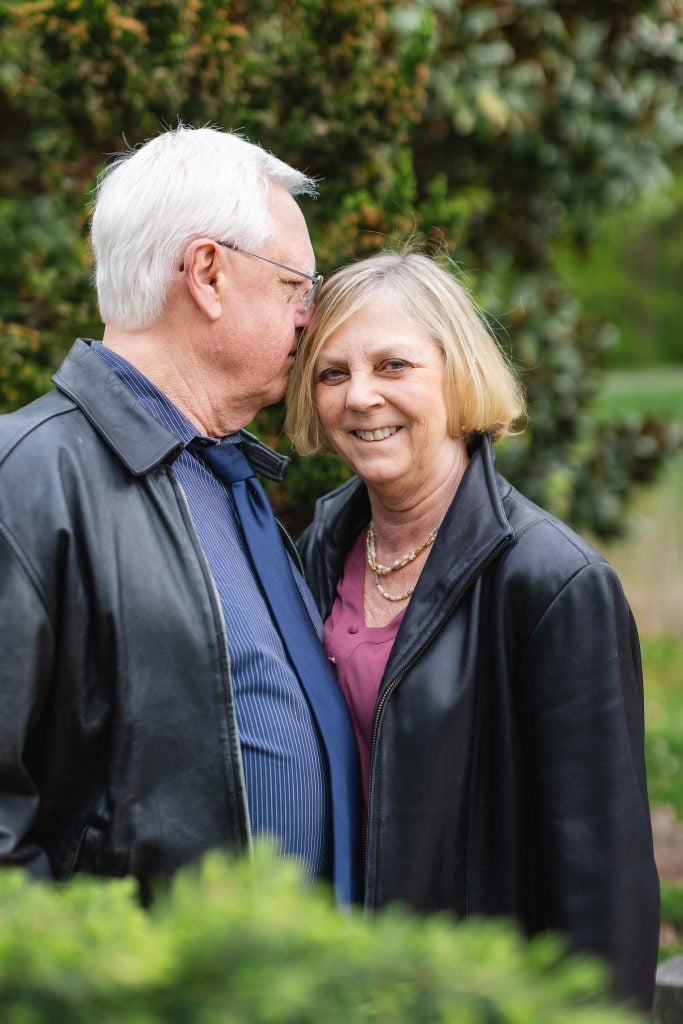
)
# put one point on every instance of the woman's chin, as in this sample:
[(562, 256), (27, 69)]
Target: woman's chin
[(387, 477)]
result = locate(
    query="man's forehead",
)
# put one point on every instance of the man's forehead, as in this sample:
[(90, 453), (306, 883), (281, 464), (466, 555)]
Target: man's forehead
[(291, 241)]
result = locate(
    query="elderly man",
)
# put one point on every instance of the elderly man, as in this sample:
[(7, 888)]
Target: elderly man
[(162, 687)]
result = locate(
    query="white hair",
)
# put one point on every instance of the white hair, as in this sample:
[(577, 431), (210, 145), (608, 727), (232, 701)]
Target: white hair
[(154, 200)]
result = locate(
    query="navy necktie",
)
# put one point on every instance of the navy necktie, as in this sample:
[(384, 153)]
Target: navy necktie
[(273, 570)]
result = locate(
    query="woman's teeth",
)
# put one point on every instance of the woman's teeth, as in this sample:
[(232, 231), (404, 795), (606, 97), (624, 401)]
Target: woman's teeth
[(375, 435)]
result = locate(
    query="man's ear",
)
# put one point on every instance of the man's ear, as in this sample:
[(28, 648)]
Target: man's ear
[(204, 276)]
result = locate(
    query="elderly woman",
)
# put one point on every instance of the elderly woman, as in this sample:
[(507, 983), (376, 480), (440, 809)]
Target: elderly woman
[(487, 654)]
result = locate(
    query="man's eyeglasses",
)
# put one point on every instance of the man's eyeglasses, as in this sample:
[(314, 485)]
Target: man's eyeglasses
[(308, 296)]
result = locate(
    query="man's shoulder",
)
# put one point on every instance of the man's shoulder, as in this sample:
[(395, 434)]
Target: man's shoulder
[(33, 422)]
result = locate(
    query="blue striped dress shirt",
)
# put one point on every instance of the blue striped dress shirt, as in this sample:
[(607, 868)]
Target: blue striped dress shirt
[(283, 761)]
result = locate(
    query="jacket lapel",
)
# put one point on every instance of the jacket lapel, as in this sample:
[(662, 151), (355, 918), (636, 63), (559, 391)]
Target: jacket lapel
[(474, 531)]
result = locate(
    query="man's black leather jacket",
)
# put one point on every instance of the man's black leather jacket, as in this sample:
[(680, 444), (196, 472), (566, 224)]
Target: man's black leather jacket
[(119, 751), (507, 769)]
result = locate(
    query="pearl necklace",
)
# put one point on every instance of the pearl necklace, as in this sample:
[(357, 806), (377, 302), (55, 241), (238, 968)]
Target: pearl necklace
[(383, 570)]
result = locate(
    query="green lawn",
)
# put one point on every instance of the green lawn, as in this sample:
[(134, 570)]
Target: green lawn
[(663, 672), (655, 391)]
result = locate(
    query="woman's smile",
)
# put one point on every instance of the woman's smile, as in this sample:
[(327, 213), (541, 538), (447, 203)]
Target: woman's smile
[(378, 434)]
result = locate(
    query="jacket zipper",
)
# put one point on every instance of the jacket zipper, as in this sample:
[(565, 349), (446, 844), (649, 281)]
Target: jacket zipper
[(218, 614), (289, 543), (416, 657)]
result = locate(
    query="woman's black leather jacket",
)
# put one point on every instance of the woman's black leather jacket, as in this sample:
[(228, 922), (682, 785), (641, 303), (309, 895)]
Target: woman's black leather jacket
[(507, 769)]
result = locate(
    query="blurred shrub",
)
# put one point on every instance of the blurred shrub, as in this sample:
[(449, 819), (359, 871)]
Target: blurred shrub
[(26, 362), (663, 670), (632, 275), (489, 127), (672, 919), (246, 943)]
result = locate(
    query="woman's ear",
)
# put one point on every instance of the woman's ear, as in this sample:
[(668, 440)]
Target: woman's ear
[(204, 276)]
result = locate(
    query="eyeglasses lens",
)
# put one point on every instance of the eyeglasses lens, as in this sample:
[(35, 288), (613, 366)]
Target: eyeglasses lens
[(311, 294)]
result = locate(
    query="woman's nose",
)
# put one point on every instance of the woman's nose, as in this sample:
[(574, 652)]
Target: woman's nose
[(362, 393)]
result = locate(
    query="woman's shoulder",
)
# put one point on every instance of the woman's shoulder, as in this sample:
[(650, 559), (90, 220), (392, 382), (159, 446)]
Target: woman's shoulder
[(534, 525), (547, 554), (552, 575)]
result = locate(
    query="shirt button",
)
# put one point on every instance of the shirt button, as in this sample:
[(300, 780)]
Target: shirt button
[(353, 628), (331, 658)]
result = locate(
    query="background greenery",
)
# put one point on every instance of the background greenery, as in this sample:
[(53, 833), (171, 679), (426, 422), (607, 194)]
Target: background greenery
[(497, 129), (663, 665), (663, 671), (632, 278), (649, 561)]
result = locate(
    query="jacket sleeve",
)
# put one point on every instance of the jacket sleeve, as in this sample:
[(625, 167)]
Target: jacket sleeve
[(25, 664), (599, 880)]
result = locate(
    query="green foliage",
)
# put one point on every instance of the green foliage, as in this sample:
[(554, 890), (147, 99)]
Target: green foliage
[(672, 916), (25, 364), (638, 418), (491, 128), (562, 110), (631, 276), (576, 460), (246, 943), (663, 672)]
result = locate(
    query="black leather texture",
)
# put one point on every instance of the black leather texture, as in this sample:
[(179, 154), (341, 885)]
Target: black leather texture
[(119, 751), (508, 772)]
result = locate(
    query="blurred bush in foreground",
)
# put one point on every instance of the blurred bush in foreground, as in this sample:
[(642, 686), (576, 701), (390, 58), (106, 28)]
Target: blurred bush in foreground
[(246, 943)]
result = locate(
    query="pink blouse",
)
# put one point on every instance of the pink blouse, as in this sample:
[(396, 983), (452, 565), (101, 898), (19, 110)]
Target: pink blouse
[(358, 652)]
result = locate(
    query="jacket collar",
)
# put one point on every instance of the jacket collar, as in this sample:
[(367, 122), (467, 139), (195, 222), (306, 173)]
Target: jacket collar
[(475, 530), (140, 441)]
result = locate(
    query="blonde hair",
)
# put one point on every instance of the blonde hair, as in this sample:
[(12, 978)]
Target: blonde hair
[(482, 391)]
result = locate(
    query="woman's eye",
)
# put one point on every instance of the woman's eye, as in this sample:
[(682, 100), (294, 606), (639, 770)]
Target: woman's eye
[(394, 364), (331, 375)]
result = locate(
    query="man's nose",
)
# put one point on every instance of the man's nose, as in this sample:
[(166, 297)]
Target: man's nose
[(303, 315)]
